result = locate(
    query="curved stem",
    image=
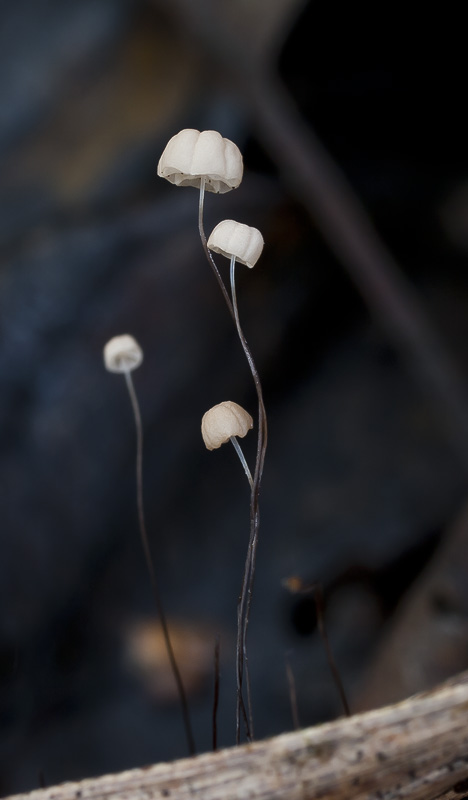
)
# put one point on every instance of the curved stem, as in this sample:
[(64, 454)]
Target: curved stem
[(210, 258), (150, 565), (239, 452), (249, 569), (216, 693), (292, 693), (318, 597)]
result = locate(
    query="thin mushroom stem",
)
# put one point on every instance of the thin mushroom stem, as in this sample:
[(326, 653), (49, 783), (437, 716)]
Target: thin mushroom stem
[(216, 693), (210, 258), (239, 452), (151, 568), (249, 569), (292, 693)]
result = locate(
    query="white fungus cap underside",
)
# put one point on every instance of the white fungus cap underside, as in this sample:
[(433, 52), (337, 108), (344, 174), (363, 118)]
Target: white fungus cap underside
[(191, 155), (223, 421), (122, 354), (231, 238)]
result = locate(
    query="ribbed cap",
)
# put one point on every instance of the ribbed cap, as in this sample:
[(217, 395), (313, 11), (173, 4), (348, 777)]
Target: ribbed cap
[(191, 155), (223, 421)]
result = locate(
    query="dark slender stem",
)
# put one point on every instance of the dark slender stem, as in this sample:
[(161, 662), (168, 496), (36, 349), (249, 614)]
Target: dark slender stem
[(210, 258), (245, 466), (151, 568), (292, 694), (318, 596), (249, 570), (216, 692)]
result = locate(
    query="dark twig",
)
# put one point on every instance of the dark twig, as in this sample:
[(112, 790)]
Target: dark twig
[(245, 598), (318, 597), (216, 692), (297, 586), (151, 568), (292, 693)]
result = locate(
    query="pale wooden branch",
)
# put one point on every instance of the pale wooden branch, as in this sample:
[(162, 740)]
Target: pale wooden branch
[(417, 749)]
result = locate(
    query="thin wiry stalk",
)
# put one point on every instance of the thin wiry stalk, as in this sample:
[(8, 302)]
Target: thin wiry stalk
[(216, 691), (240, 706), (210, 258), (151, 568), (239, 452), (318, 596), (292, 694), (249, 570)]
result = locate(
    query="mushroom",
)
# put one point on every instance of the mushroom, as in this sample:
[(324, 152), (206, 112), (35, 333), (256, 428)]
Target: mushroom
[(238, 242), (208, 161), (202, 159), (225, 422), (123, 354)]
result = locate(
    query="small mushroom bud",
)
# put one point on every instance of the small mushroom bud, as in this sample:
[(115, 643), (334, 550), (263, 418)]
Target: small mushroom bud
[(202, 159), (122, 354), (234, 239), (223, 421)]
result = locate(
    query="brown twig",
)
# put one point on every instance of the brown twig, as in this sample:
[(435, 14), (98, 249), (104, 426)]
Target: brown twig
[(152, 571), (297, 586), (216, 692), (427, 639), (318, 596), (245, 598), (292, 694)]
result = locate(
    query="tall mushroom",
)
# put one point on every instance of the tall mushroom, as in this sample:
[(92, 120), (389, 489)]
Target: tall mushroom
[(207, 161), (123, 354), (203, 159)]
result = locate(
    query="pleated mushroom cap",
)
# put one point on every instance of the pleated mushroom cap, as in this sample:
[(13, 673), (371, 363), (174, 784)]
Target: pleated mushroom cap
[(231, 238), (192, 155), (122, 354), (223, 421)]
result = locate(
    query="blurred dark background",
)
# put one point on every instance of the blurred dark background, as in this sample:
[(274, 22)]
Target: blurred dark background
[(366, 467)]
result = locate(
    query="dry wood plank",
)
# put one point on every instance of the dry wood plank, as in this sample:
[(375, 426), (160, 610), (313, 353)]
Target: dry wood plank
[(417, 750)]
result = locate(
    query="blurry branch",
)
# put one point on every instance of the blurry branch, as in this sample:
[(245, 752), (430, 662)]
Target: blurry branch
[(417, 750), (322, 188), (428, 638)]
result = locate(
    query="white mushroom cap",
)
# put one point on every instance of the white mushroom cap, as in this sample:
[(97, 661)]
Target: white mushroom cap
[(191, 155), (122, 354), (231, 238), (223, 421)]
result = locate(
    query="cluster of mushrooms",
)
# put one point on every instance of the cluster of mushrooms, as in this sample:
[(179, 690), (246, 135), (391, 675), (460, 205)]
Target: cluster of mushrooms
[(210, 163)]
